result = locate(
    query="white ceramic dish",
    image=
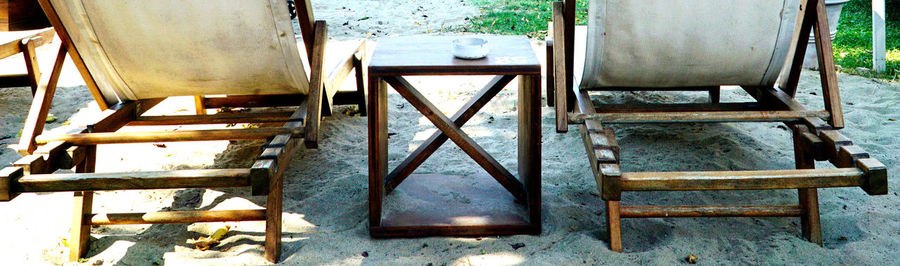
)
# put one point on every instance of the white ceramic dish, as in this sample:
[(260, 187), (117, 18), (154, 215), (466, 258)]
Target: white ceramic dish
[(470, 48)]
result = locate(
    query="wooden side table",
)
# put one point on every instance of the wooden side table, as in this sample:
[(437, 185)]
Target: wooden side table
[(509, 56)]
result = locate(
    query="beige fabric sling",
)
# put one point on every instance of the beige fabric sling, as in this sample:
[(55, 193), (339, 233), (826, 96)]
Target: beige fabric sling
[(140, 49), (685, 43)]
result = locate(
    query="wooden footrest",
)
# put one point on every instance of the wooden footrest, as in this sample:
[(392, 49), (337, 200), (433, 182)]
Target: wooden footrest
[(173, 217)]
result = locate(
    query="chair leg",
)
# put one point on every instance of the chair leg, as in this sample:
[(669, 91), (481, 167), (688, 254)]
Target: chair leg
[(31, 64), (362, 78), (549, 74), (82, 206), (614, 223), (199, 105), (273, 218), (811, 227)]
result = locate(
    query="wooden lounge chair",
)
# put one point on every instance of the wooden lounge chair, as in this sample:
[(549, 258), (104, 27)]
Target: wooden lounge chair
[(14, 42), (133, 54), (685, 45)]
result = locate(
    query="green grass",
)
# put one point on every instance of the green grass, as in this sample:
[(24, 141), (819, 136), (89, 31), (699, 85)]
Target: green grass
[(852, 46), (518, 17)]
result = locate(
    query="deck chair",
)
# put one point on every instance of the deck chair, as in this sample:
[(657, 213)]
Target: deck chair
[(15, 42), (685, 46), (132, 54)]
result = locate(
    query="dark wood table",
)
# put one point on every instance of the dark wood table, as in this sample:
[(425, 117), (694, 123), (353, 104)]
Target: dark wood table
[(513, 207)]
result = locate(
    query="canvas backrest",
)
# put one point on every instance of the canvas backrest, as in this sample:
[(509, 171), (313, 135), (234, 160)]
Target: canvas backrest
[(687, 43), (140, 49)]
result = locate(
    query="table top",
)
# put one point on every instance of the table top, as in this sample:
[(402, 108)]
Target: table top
[(433, 55)]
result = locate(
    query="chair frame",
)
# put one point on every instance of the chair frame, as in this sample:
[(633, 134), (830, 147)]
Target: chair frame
[(26, 46), (45, 154), (815, 135)]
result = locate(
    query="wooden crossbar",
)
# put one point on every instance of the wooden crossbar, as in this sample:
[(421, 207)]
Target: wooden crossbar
[(739, 180), (710, 211), (170, 136), (173, 217), (695, 116), (221, 118), (137, 180)]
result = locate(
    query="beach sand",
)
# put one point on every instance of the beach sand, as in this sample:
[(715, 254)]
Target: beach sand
[(325, 197)]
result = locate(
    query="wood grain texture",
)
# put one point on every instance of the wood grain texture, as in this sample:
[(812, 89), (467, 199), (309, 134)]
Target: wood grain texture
[(827, 72), (169, 136), (8, 176), (560, 68), (709, 211), (742, 180), (529, 148), (82, 206), (31, 64), (698, 117), (417, 157), (136, 180), (405, 56), (317, 99), (876, 176), (40, 106), (460, 138)]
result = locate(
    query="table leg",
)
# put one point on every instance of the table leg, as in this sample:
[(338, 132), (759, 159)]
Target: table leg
[(378, 148), (529, 106)]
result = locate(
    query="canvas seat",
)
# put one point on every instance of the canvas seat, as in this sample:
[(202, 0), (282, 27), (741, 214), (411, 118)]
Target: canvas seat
[(685, 45), (133, 54)]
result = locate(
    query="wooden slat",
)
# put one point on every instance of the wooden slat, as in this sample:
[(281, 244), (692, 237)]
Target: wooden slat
[(549, 69), (834, 140), (876, 176), (33, 164), (741, 180), (236, 101), (172, 217), (13, 47), (31, 63), (138, 180), (360, 63), (306, 20), (220, 118), (318, 101), (170, 136), (9, 175), (454, 133), (697, 117), (614, 225), (560, 67), (710, 211), (847, 156), (40, 106), (277, 154), (827, 73), (680, 107)]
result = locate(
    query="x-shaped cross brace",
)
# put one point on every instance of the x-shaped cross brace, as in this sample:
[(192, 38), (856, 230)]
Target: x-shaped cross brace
[(450, 129)]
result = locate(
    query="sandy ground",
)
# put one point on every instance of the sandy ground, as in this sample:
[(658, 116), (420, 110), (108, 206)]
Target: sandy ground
[(325, 207)]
